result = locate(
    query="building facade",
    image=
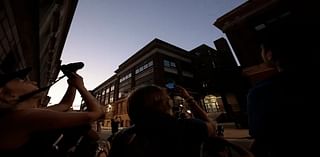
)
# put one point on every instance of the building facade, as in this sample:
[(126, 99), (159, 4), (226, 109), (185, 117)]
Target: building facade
[(159, 63), (33, 34)]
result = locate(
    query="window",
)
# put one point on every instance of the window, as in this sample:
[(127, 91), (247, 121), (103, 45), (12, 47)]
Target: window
[(187, 74), (166, 63), (125, 77), (112, 88), (212, 104), (169, 64), (111, 99)]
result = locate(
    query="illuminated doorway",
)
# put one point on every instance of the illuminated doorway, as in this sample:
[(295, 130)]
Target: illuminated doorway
[(213, 103)]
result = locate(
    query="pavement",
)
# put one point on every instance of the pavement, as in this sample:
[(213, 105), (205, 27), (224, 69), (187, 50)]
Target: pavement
[(238, 136), (105, 133)]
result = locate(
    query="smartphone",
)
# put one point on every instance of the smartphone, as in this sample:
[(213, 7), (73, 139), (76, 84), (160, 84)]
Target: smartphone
[(171, 85)]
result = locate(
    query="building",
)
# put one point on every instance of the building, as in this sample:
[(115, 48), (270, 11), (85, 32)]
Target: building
[(243, 25), (33, 34), (159, 63), (218, 75)]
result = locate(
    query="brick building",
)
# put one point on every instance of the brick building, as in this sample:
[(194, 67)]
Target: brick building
[(33, 34), (198, 70)]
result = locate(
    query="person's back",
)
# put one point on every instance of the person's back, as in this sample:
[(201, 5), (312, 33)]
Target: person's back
[(162, 137), (280, 106)]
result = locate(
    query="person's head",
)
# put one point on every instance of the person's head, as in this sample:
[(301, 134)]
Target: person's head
[(14, 85), (148, 100), (278, 52), (286, 45)]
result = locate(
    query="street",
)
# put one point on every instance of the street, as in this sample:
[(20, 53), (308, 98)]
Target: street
[(104, 134)]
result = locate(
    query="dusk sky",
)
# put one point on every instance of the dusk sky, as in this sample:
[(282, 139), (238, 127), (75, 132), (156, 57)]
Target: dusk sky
[(104, 33)]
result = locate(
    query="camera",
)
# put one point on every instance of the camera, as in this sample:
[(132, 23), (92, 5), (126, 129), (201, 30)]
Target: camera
[(71, 67)]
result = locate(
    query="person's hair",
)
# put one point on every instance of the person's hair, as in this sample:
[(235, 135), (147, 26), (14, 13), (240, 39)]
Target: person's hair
[(147, 100)]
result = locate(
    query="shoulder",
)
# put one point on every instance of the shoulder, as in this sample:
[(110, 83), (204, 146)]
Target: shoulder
[(193, 126), (122, 135), (262, 88), (119, 142)]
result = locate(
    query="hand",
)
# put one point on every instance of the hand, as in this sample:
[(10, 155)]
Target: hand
[(182, 92), (75, 80)]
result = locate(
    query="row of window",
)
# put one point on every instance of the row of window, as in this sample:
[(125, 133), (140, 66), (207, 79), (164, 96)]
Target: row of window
[(126, 77), (169, 64), (103, 96), (138, 70), (144, 67), (107, 90), (166, 64)]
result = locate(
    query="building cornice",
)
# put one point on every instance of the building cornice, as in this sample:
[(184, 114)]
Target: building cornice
[(242, 12), (149, 48)]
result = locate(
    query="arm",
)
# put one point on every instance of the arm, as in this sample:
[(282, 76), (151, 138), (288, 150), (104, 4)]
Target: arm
[(66, 102), (44, 119), (93, 105), (197, 111)]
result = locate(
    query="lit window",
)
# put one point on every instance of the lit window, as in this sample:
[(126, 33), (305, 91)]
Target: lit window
[(112, 88), (211, 103)]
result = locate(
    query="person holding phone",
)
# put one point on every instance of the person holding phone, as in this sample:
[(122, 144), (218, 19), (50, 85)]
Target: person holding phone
[(156, 132)]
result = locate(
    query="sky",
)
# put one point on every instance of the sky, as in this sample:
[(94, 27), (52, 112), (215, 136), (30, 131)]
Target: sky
[(105, 33)]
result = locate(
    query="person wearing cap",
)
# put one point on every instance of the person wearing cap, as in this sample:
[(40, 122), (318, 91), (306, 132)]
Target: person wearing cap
[(20, 116)]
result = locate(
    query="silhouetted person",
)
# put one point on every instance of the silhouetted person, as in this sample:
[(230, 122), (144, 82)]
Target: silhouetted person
[(280, 107), (156, 132), (20, 119), (114, 125)]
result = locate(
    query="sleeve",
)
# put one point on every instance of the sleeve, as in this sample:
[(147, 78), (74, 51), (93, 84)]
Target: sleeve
[(251, 104), (259, 102)]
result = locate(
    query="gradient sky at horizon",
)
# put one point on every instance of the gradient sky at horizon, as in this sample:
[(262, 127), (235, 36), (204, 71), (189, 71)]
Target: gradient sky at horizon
[(105, 33)]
